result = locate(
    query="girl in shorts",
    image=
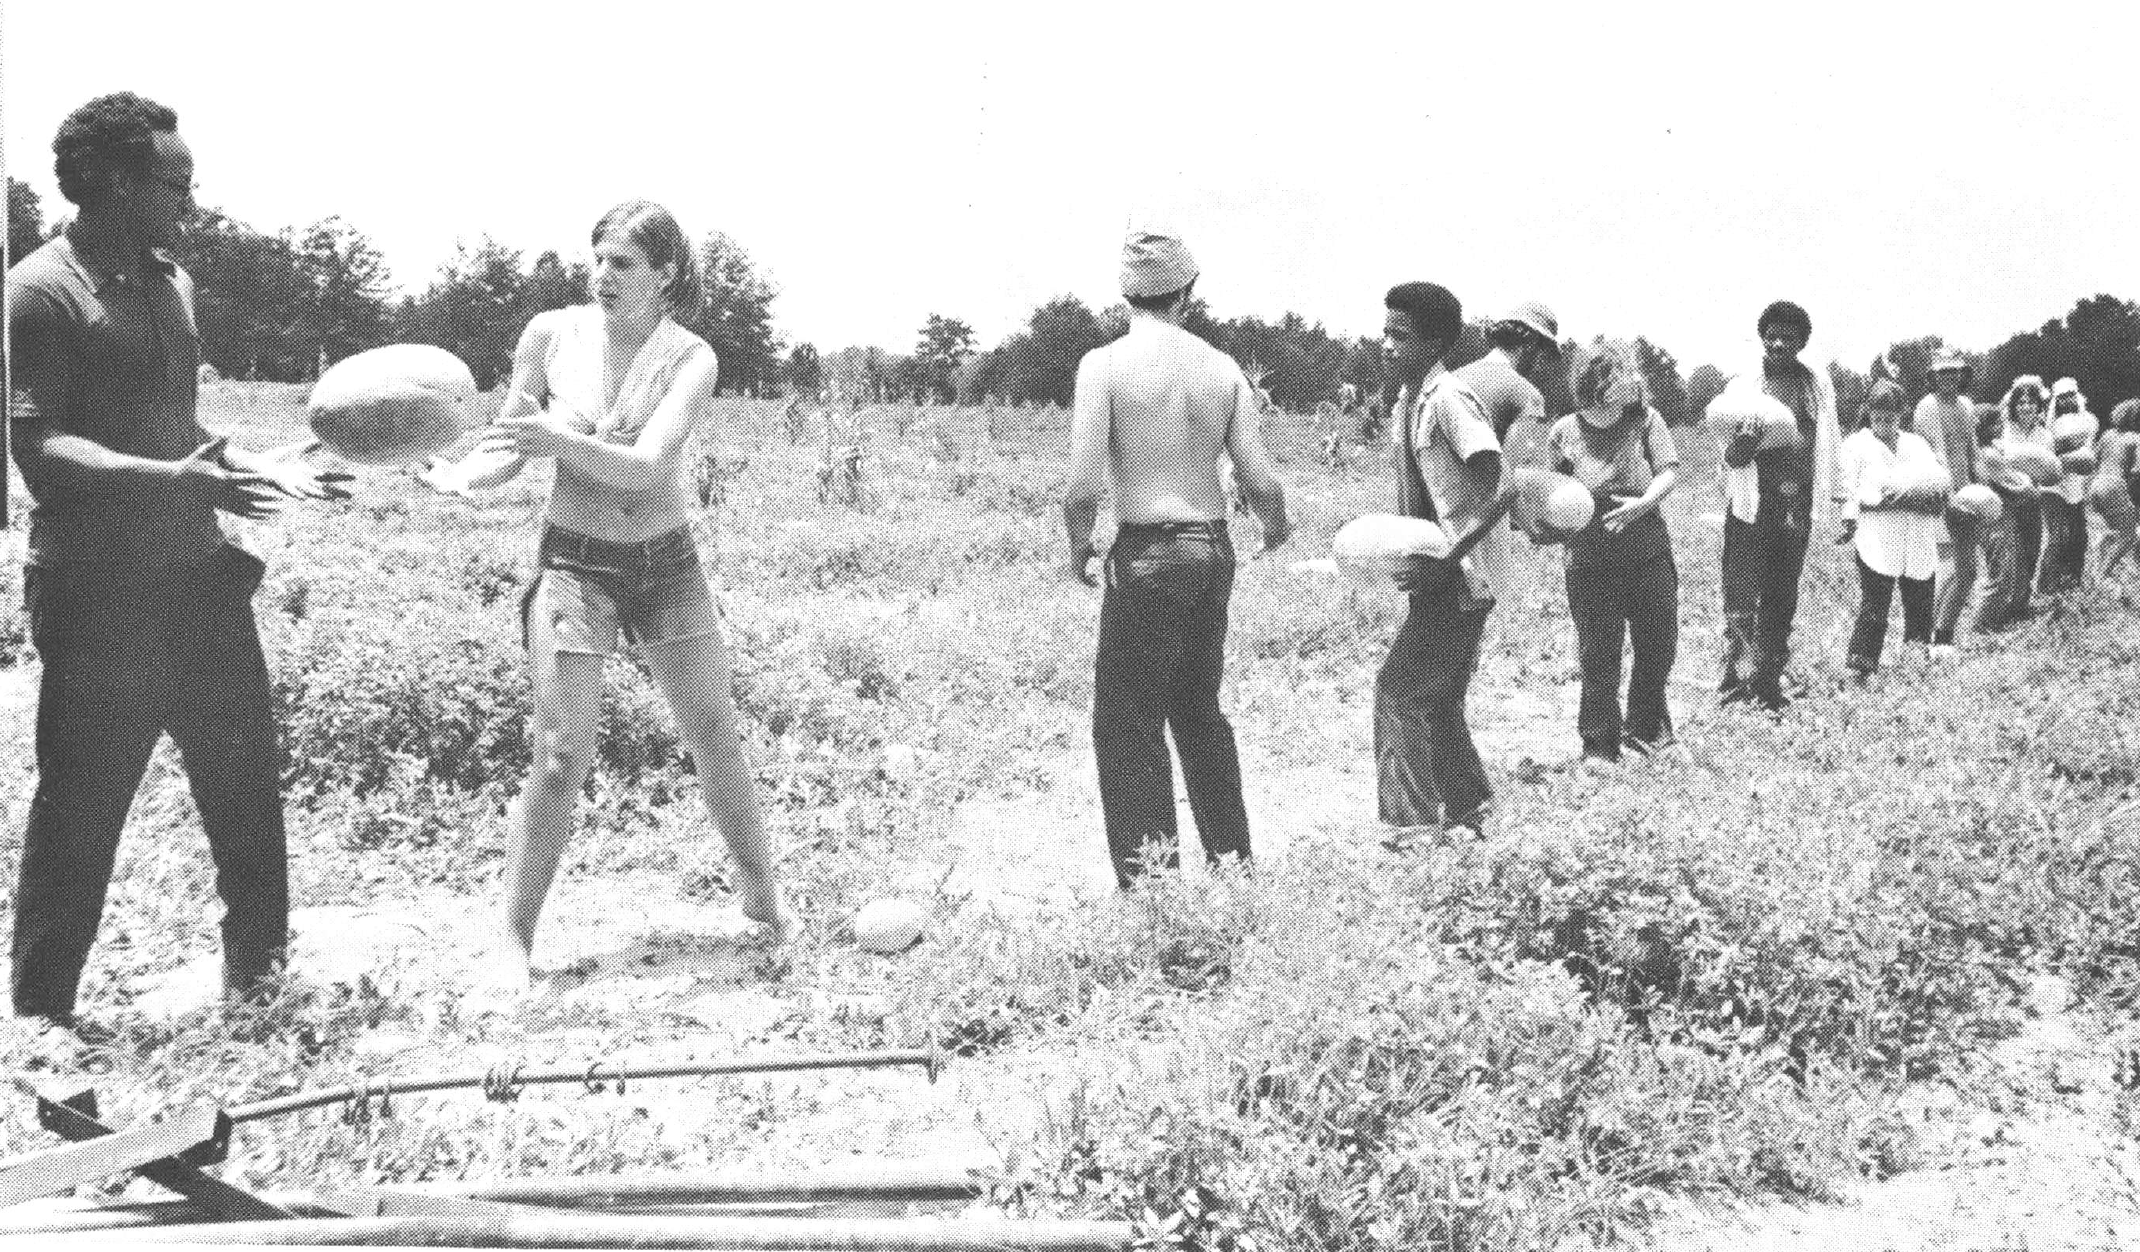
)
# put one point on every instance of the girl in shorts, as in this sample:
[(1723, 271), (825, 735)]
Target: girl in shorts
[(612, 391)]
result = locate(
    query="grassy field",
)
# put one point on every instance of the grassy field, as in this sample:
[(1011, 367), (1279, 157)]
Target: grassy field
[(1804, 962)]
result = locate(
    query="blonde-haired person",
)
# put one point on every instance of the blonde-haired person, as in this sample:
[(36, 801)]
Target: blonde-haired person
[(2065, 504), (1623, 583), (2017, 540), (2117, 469), (611, 391), (1896, 493)]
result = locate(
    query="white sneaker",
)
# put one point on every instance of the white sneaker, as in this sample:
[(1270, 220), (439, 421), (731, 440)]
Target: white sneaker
[(1943, 652)]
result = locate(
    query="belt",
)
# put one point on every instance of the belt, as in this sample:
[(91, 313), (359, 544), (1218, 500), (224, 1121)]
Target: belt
[(612, 554), (1214, 527)]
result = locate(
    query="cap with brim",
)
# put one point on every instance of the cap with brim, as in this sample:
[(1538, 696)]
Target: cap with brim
[(1154, 264), (1949, 360), (1539, 319), (2066, 387)]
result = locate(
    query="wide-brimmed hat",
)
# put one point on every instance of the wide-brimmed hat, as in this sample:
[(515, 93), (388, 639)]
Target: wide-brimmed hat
[(1539, 318), (2065, 387)]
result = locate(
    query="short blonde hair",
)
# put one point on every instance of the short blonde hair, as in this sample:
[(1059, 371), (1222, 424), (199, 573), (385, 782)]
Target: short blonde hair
[(1599, 368)]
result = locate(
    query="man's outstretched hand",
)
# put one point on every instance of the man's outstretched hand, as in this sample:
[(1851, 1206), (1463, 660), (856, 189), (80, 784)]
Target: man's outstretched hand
[(207, 475)]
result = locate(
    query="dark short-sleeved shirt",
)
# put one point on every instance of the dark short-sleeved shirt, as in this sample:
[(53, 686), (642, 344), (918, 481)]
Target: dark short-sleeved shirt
[(1508, 396), (1617, 462), (116, 362)]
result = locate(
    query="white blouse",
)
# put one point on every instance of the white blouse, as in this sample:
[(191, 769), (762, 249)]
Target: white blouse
[(1897, 543)]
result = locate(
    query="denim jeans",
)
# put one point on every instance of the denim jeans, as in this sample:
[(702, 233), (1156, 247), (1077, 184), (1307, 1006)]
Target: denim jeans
[(1427, 770), (128, 657), (1161, 653), (1762, 562), (2065, 544), (1876, 591), (2010, 567), (1623, 589), (1965, 534)]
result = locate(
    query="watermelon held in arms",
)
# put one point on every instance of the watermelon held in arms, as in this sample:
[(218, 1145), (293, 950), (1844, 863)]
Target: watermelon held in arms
[(1978, 501), (395, 405), (1549, 507), (1372, 549)]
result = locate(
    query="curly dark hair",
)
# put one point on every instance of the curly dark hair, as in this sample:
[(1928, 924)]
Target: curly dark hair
[(109, 133), (1787, 315)]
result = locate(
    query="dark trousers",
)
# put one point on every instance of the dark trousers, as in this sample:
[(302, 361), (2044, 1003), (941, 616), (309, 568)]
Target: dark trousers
[(1762, 562), (1427, 771), (1964, 534), (2065, 544), (1624, 592), (128, 658), (1875, 592), (1161, 652), (2011, 555)]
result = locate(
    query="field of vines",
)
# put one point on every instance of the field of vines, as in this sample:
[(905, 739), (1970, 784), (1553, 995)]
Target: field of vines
[(1809, 965)]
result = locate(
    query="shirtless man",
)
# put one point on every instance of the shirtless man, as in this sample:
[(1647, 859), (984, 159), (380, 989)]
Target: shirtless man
[(1153, 413)]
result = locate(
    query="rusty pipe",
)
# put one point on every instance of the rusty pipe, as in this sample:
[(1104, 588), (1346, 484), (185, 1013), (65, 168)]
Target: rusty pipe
[(578, 1230), (591, 1073)]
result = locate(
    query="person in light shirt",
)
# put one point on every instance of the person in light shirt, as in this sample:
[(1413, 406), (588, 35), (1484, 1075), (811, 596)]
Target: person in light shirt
[(1947, 419), (1428, 772), (1895, 492), (610, 392), (2018, 539), (2065, 504)]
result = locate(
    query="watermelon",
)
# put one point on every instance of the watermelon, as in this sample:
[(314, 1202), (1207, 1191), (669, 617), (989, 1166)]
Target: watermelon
[(1779, 426), (1549, 506), (1921, 482), (2034, 462), (888, 926), (2070, 431), (395, 405), (1978, 501), (1372, 549)]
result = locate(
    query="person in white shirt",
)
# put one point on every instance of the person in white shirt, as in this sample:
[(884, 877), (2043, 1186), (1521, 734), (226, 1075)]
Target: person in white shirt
[(1895, 495), (2017, 541), (2065, 504)]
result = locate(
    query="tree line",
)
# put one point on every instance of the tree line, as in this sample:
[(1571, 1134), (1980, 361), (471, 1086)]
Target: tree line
[(275, 305)]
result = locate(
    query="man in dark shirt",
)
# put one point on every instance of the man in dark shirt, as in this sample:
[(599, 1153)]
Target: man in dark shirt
[(1518, 342), (140, 611)]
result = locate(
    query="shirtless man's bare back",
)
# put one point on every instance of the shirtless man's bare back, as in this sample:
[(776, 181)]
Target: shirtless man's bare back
[(1154, 412)]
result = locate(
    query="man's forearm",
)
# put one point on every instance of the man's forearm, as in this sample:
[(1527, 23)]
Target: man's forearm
[(1081, 513), (1267, 501), (76, 463)]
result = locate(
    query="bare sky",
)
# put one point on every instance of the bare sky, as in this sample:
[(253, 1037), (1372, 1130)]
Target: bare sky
[(1654, 169)]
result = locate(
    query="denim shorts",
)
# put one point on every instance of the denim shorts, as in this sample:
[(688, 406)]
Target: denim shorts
[(589, 590)]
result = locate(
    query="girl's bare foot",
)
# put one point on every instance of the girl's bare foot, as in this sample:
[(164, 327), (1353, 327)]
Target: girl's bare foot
[(505, 967)]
